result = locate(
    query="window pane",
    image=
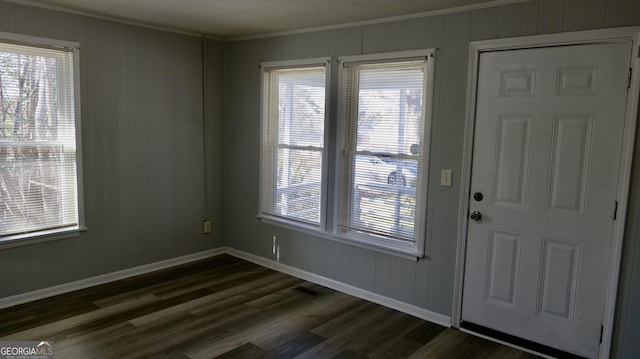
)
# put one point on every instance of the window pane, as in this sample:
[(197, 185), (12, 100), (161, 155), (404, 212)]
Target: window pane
[(384, 196), (293, 142), (298, 184), (389, 110), (381, 173), (38, 184), (301, 108), (386, 170)]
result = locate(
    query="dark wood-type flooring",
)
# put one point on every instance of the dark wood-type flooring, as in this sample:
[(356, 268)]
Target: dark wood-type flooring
[(224, 307)]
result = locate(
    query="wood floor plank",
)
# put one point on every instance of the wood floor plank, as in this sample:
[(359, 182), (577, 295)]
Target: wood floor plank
[(210, 279), (350, 331), (379, 343), (53, 330), (276, 318), (336, 325), (203, 331), (41, 312), (159, 288), (224, 307), (296, 343), (244, 351), (320, 311), (182, 329), (455, 344), (425, 332), (126, 315), (399, 348), (198, 306), (350, 354), (90, 344)]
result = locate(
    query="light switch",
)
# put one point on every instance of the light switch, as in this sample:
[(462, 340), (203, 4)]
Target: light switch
[(445, 177)]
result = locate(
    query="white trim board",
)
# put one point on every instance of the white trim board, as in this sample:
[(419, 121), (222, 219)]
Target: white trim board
[(68, 10), (462, 8), (410, 309), (629, 34), (417, 15), (106, 278), (406, 308)]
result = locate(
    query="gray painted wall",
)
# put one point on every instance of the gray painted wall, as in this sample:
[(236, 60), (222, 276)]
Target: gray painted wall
[(143, 148), (145, 167), (427, 283), (626, 343)]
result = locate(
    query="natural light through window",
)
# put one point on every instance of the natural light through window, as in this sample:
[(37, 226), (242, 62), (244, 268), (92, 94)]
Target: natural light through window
[(293, 142), (38, 148), (383, 171), (376, 195)]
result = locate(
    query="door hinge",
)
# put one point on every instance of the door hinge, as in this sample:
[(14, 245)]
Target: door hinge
[(629, 78), (601, 333), (615, 211)]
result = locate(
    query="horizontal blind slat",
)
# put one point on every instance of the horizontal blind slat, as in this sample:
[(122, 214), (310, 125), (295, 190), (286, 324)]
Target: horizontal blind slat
[(293, 142), (384, 125), (38, 175)]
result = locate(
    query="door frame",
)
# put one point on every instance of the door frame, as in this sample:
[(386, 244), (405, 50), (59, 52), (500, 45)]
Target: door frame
[(616, 35)]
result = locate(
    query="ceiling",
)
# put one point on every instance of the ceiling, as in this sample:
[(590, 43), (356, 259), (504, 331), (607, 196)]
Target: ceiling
[(227, 19)]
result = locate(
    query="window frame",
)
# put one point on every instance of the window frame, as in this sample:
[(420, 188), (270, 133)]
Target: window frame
[(47, 234), (386, 243), (266, 67), (331, 192)]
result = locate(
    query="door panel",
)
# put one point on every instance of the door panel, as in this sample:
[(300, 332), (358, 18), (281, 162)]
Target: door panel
[(547, 146), (504, 261), (512, 161), (569, 163), (560, 262)]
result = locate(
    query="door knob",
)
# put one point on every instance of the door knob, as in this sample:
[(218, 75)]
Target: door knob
[(476, 216)]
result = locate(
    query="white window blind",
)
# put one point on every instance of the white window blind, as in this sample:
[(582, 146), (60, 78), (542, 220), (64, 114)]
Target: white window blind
[(382, 179), (38, 177), (293, 142)]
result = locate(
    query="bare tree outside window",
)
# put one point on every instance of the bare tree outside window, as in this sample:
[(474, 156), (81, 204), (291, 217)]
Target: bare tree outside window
[(293, 145), (37, 141)]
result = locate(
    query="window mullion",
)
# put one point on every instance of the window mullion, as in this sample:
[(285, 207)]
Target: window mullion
[(300, 148)]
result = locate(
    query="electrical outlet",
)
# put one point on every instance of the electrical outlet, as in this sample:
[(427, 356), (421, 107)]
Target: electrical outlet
[(445, 177), (206, 226)]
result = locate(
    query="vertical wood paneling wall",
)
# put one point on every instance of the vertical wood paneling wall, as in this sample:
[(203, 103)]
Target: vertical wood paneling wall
[(627, 319), (427, 283), (152, 175), (143, 149)]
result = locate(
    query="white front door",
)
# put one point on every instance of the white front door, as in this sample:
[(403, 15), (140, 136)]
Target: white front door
[(546, 158)]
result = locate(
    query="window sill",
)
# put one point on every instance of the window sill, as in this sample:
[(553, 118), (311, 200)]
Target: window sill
[(19, 240), (344, 239)]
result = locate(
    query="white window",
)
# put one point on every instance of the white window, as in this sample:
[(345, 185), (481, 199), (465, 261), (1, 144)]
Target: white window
[(386, 108), (293, 141), (39, 142)]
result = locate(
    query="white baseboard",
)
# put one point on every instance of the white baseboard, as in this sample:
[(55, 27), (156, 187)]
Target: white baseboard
[(106, 278), (345, 288), (308, 276)]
